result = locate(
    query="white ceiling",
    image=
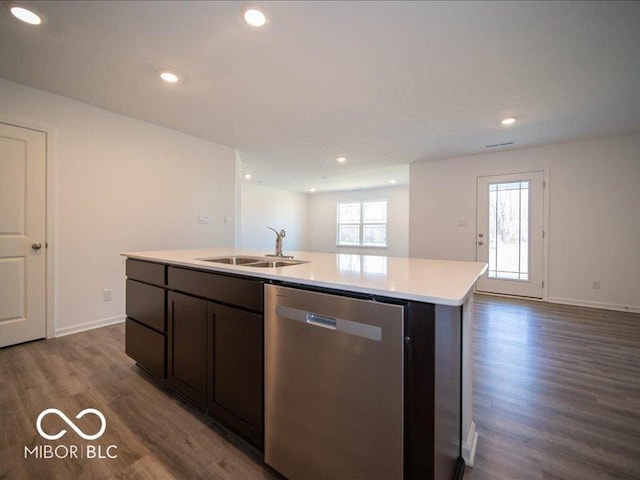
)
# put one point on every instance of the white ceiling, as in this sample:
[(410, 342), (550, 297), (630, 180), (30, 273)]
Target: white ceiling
[(384, 84)]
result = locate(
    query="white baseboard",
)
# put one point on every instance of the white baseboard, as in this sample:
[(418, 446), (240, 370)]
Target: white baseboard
[(469, 445), (81, 327), (586, 303), (504, 295)]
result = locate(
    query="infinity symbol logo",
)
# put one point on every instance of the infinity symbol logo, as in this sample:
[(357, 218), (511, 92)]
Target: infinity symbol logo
[(46, 412)]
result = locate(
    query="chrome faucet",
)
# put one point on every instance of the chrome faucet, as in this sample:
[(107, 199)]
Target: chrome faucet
[(279, 237)]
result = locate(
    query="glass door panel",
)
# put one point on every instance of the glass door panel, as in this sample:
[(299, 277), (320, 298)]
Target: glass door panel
[(509, 230), (509, 236)]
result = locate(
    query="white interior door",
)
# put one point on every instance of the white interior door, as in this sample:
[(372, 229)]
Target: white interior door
[(22, 234), (510, 233)]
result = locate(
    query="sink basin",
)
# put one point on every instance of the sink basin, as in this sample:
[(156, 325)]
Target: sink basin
[(276, 263), (233, 260), (253, 261)]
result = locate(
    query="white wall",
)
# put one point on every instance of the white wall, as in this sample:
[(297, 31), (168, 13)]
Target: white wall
[(323, 211), (262, 207), (119, 184), (594, 220)]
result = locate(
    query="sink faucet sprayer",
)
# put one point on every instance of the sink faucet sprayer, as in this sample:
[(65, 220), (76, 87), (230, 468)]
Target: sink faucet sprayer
[(279, 236)]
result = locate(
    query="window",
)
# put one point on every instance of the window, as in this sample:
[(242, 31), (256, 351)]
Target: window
[(362, 224), (509, 230)]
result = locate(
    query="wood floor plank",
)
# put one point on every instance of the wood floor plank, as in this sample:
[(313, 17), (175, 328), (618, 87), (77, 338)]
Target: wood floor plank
[(556, 396), (557, 391), (157, 434)]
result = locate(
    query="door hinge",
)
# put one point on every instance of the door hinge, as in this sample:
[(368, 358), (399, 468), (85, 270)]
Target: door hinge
[(543, 284), (544, 184), (542, 233)]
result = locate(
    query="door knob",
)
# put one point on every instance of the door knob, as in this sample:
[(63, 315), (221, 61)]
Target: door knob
[(36, 246), (480, 242), (481, 235)]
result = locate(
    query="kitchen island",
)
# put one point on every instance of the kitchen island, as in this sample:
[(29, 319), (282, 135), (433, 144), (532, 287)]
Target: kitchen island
[(198, 325)]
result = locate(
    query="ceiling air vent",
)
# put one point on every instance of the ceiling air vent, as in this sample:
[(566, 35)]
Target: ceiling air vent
[(496, 145)]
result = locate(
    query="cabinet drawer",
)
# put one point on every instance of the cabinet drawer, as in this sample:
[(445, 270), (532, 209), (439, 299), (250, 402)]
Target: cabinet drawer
[(146, 271), (242, 292), (146, 346), (146, 304)]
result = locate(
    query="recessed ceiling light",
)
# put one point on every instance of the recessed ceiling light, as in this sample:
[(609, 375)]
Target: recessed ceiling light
[(393, 181), (247, 176), (341, 159), (312, 190), (27, 16), (254, 17), (169, 77), (509, 121)]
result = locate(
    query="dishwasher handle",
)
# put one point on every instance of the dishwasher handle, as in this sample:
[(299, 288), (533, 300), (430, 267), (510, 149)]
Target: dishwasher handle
[(321, 321), (350, 327)]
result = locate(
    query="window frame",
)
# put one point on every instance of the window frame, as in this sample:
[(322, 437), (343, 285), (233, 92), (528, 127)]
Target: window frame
[(361, 224)]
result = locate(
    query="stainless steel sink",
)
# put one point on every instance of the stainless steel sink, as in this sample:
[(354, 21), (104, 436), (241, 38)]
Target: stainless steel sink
[(253, 261), (276, 263), (233, 260)]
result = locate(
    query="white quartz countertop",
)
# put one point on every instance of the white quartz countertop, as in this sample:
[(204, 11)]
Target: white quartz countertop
[(434, 281)]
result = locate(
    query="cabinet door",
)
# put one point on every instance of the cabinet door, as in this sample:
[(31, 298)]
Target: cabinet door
[(236, 360), (187, 346)]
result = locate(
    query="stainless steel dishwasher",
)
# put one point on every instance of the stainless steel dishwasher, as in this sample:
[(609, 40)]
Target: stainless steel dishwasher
[(333, 386)]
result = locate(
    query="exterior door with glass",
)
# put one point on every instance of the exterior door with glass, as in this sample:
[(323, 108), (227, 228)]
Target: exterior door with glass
[(510, 236)]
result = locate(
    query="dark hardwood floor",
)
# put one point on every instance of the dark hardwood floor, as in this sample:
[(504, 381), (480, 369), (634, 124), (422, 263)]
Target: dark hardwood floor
[(557, 395), (158, 435), (557, 391)]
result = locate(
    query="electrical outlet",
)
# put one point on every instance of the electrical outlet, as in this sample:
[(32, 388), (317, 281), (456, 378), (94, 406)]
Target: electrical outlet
[(107, 295), (595, 284), (204, 218), (462, 222)]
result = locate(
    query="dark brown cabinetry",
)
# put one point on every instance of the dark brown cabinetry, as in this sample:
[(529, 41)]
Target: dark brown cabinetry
[(187, 346), (236, 360), (228, 351), (146, 315), (146, 347), (147, 272), (146, 304), (433, 390), (203, 333), (227, 289)]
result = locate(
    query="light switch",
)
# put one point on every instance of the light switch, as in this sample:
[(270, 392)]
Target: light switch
[(228, 220), (462, 222), (204, 218)]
